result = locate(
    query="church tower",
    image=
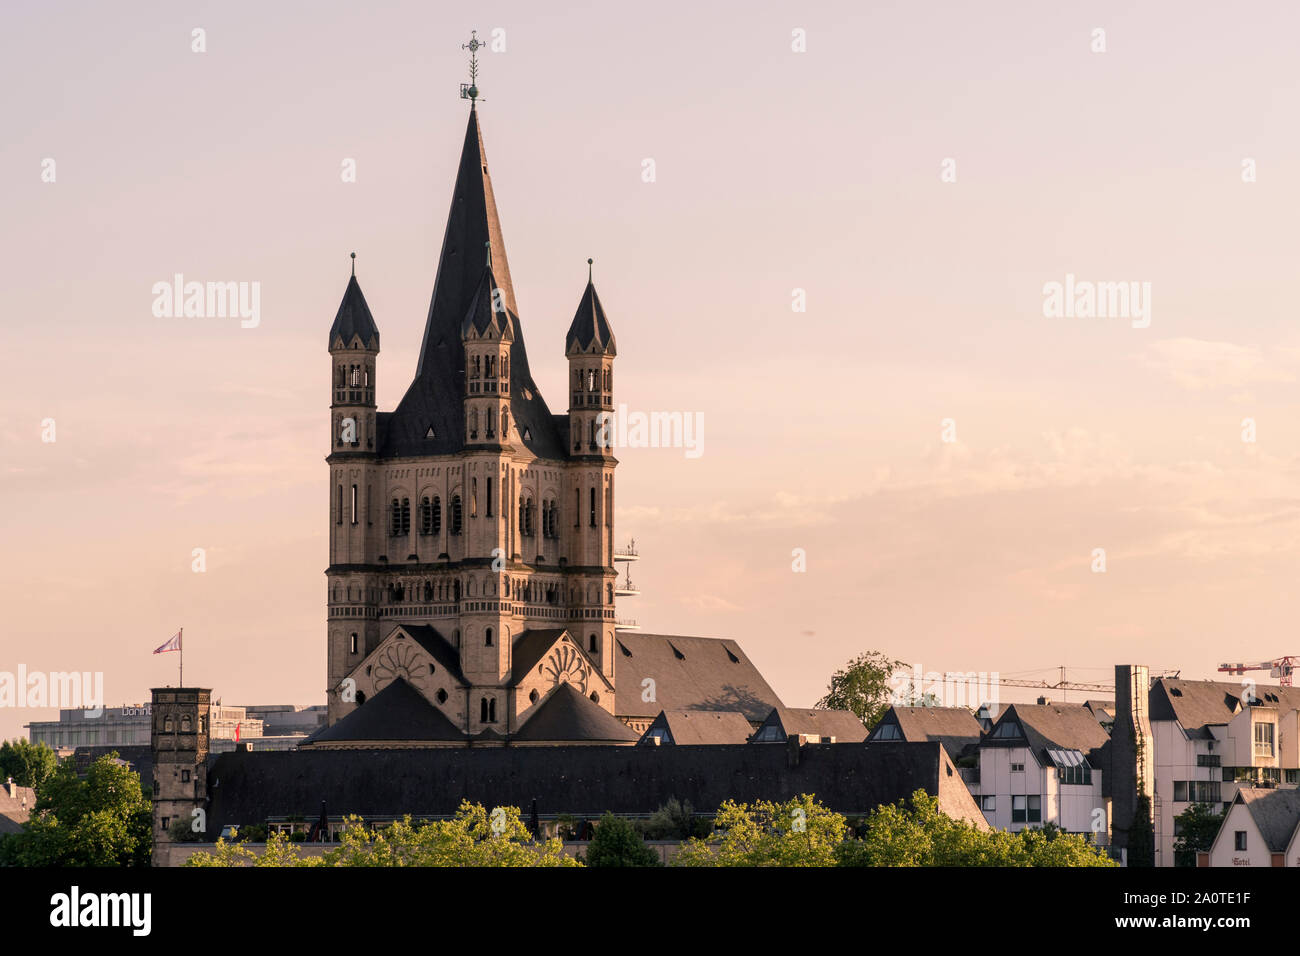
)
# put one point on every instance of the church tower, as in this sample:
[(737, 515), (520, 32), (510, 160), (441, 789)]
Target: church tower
[(354, 474), (471, 530), (590, 349)]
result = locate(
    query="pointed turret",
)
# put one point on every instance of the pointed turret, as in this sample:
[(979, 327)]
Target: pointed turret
[(354, 321), (589, 326)]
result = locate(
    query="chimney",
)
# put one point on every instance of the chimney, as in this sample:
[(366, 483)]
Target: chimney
[(13, 790), (792, 750), (1044, 700), (1132, 761)]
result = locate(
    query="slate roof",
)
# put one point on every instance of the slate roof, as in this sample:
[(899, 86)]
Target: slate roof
[(590, 325), (695, 727), (1056, 727), (530, 647), (689, 673), (954, 727), (398, 712), (566, 715), (354, 319), (1276, 813), (843, 725), (434, 399), (438, 647), (853, 779), (1200, 704), (15, 810)]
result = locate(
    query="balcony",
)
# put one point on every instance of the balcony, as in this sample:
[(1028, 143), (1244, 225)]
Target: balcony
[(626, 589), (626, 624)]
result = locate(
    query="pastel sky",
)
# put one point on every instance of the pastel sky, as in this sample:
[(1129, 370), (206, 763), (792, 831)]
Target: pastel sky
[(775, 171)]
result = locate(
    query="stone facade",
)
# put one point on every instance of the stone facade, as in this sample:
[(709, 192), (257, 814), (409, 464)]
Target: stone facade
[(504, 529)]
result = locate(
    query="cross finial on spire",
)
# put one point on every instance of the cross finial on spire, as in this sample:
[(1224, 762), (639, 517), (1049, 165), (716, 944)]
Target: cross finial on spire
[(354, 264), (469, 91), (588, 270), (488, 246)]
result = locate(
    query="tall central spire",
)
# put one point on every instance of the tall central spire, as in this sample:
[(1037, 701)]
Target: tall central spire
[(471, 223)]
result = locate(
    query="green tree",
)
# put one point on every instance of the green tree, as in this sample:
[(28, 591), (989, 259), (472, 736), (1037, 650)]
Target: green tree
[(862, 686), (474, 837), (616, 843), (674, 820), (102, 820), (1197, 827), (28, 763), (799, 832), (915, 832)]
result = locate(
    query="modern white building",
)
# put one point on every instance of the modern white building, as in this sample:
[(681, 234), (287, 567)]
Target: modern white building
[(1041, 764), (1210, 741)]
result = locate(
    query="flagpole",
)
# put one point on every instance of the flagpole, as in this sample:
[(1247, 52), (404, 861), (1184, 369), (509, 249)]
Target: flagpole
[(181, 642)]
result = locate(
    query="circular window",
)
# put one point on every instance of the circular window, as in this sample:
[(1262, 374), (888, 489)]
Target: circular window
[(595, 698), (442, 696), (532, 697)]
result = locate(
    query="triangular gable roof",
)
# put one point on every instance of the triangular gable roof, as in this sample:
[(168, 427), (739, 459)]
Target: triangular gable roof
[(1054, 727), (398, 712), (954, 727), (843, 725), (1276, 814), (566, 715), (694, 727), (427, 636)]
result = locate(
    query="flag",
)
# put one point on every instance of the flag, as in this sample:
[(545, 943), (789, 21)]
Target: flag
[(173, 645), (237, 726)]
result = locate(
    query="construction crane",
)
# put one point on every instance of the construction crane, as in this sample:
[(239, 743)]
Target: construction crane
[(1063, 684), (1283, 668)]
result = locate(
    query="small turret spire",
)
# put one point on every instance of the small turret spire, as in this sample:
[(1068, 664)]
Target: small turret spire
[(488, 246), (588, 270), (354, 264)]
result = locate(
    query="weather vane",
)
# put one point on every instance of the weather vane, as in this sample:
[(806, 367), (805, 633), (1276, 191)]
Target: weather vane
[(469, 91)]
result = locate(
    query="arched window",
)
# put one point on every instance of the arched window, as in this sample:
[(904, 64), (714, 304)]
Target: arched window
[(505, 366), (593, 507), (473, 497), (442, 696), (492, 710), (474, 372), (187, 724), (482, 710), (609, 505), (577, 506), (168, 727), (361, 697), (426, 516), (436, 526), (406, 516), (487, 637), (532, 696), (505, 423), (473, 422), (340, 509), (609, 594), (591, 379), (593, 644), (455, 515), (352, 644), (395, 518)]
